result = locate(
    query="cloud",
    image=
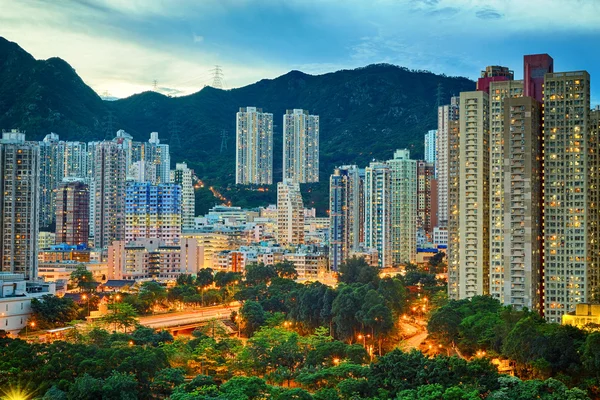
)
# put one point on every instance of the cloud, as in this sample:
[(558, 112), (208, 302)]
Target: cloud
[(197, 38), (488, 13)]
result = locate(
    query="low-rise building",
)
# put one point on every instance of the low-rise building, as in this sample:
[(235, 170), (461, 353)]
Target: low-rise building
[(583, 315)]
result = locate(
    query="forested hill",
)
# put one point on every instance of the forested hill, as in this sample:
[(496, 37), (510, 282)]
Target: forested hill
[(365, 113)]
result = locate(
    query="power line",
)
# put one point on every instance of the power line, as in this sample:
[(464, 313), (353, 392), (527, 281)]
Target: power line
[(174, 135)]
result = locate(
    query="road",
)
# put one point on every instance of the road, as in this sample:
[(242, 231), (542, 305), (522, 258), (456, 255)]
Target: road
[(414, 335), (188, 317)]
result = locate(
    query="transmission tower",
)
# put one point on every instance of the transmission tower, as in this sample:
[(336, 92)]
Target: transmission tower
[(440, 94), (108, 125), (217, 75), (174, 134), (223, 140), (155, 85)]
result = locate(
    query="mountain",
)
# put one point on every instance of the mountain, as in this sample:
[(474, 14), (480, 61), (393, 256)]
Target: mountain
[(365, 113)]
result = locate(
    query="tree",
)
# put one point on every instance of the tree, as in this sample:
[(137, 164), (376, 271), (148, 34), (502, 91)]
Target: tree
[(344, 310), (166, 380), (122, 315), (259, 274), (205, 277), (223, 279), (83, 279), (356, 270), (286, 270), (253, 316), (85, 387), (120, 386), (152, 294), (184, 279), (50, 311)]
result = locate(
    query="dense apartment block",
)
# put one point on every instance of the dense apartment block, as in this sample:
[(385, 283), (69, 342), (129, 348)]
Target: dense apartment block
[(49, 178), (290, 214), (403, 207), (447, 114), (109, 194), (153, 259), (431, 146), (158, 154), (72, 213), (426, 189), (570, 194), (254, 147), (377, 224), (183, 176), (153, 212), (300, 146), (346, 213), (19, 204)]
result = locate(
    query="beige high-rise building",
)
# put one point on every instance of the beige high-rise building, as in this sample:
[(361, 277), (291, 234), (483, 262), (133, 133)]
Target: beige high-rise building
[(300, 146), (254, 147), (109, 194), (520, 276), (474, 164), (453, 209), (500, 91), (378, 224), (19, 204), (290, 214), (571, 251), (183, 176), (446, 115)]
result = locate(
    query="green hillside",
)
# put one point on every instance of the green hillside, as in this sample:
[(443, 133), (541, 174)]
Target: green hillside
[(365, 113)]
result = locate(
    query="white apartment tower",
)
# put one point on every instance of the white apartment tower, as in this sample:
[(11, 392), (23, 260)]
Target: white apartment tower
[(500, 92), (446, 115), (159, 155), (377, 224), (300, 146), (290, 213), (473, 196), (346, 194), (254, 147), (183, 176), (19, 204), (109, 194), (48, 178), (571, 270), (403, 208)]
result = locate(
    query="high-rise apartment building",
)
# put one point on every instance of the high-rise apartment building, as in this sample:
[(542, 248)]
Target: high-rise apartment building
[(300, 146), (453, 209), (446, 115), (493, 73), (378, 206), (19, 204), (153, 212), (159, 155), (571, 269), (109, 194), (473, 196), (500, 92), (90, 180), (346, 215), (520, 274), (254, 147), (535, 68), (426, 186), (72, 160), (72, 212), (403, 207), (183, 176), (431, 146), (290, 213), (49, 178)]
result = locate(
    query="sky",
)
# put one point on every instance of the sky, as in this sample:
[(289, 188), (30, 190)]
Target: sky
[(121, 47)]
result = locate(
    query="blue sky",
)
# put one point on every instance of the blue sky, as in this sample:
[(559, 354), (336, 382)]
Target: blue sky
[(123, 46)]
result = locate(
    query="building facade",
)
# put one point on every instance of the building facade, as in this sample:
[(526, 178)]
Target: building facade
[(300, 146), (446, 115), (183, 176), (346, 214), (19, 204), (431, 146), (403, 206), (72, 213), (254, 147), (290, 214), (109, 194), (426, 186), (377, 225), (153, 212), (158, 154)]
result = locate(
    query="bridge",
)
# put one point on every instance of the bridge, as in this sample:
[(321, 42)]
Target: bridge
[(187, 321)]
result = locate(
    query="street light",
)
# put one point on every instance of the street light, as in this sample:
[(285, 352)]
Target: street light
[(32, 323), (86, 297)]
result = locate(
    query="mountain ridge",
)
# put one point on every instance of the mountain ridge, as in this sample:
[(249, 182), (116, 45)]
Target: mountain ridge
[(366, 113)]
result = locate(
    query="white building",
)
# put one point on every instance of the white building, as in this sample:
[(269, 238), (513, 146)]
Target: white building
[(440, 236), (446, 115), (159, 155), (431, 146), (254, 147), (378, 211), (183, 176), (300, 146), (290, 214)]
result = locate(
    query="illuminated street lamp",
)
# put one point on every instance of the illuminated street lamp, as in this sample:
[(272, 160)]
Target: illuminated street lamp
[(86, 297)]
